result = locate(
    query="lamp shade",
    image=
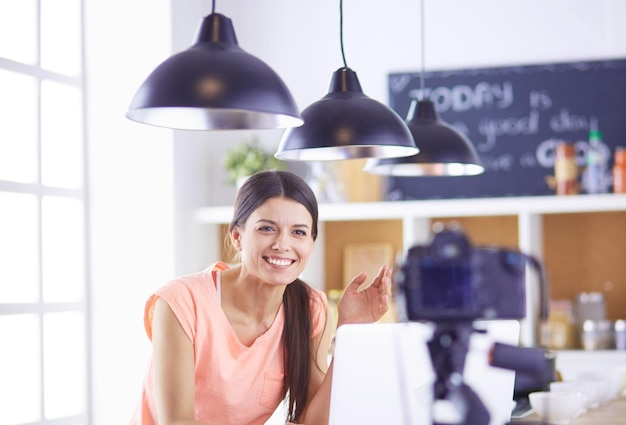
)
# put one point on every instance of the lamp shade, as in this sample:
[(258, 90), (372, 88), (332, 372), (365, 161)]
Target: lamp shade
[(443, 150), (346, 124), (214, 85)]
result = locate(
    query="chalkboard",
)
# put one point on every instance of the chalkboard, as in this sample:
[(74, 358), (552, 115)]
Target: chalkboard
[(515, 116)]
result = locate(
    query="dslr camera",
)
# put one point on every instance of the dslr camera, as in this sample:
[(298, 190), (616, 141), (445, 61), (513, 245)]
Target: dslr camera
[(450, 280)]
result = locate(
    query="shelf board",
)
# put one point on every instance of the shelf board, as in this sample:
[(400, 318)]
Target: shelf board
[(446, 208)]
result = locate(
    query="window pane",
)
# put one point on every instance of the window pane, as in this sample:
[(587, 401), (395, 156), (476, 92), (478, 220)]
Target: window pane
[(19, 242), (61, 135), (61, 36), (18, 30), (18, 132), (20, 359), (63, 249), (64, 364)]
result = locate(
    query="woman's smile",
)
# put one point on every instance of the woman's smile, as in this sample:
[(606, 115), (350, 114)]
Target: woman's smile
[(279, 262)]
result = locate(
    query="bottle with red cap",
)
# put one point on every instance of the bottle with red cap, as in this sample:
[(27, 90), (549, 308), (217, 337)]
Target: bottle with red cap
[(619, 170)]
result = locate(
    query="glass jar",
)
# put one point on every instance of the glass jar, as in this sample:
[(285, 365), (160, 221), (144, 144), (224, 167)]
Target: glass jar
[(597, 335)]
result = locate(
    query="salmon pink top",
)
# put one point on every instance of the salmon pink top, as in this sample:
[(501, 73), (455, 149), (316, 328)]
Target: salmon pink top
[(235, 384)]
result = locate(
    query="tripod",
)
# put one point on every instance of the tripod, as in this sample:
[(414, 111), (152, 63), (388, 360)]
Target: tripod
[(448, 349)]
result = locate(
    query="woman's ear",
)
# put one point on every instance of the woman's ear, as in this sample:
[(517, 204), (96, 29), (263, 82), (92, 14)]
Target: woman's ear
[(235, 237)]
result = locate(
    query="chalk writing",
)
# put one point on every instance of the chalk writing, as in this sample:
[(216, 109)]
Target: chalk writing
[(491, 128), (566, 121), (463, 97)]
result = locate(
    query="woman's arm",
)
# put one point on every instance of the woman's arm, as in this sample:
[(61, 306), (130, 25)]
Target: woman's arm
[(174, 372)]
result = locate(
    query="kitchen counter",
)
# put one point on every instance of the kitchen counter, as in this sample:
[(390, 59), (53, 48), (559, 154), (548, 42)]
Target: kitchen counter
[(570, 363), (611, 413)]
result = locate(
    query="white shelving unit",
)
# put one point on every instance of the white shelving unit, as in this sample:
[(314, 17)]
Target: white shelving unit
[(416, 215), (411, 210)]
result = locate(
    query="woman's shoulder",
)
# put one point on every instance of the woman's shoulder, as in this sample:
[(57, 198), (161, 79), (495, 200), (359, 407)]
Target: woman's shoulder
[(191, 289), (186, 295), (319, 308), (318, 296), (202, 280)]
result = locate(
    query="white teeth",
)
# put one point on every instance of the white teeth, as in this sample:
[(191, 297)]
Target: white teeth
[(278, 262)]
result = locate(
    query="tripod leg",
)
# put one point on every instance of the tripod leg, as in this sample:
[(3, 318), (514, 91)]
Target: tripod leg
[(473, 411)]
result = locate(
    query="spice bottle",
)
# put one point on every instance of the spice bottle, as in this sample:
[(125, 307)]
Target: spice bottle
[(566, 169), (619, 170)]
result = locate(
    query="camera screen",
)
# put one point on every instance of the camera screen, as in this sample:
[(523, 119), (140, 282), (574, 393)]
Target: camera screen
[(446, 286)]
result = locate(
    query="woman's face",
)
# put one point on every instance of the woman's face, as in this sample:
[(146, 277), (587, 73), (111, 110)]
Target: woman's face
[(276, 241)]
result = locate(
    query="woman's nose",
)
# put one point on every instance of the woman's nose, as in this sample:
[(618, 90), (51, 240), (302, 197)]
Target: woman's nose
[(280, 242)]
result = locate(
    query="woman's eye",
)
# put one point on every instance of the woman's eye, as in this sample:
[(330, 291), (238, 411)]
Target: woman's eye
[(266, 228), (300, 232)]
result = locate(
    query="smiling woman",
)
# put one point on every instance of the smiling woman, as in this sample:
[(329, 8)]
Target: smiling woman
[(254, 325)]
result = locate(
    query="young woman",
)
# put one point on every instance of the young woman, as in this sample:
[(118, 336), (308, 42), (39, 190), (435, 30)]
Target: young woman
[(231, 343)]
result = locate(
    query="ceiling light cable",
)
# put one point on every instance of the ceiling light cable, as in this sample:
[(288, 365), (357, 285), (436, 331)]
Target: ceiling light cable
[(444, 151), (346, 124)]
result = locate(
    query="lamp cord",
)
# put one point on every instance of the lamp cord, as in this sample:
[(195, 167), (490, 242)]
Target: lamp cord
[(422, 84), (213, 8), (343, 54)]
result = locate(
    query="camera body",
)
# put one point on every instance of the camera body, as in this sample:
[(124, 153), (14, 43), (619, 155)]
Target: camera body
[(450, 280)]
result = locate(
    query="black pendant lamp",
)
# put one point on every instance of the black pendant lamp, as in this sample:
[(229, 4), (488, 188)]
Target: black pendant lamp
[(443, 150), (346, 124), (214, 85)]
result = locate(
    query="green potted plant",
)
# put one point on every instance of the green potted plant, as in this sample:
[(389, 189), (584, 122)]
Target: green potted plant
[(247, 158)]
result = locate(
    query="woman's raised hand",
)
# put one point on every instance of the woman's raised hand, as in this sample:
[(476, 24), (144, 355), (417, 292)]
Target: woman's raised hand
[(365, 302)]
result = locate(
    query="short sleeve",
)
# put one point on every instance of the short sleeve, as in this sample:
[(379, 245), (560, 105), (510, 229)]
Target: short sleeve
[(181, 300), (187, 296)]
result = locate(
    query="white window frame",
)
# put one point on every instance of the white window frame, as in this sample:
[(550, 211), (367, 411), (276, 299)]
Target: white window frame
[(41, 308)]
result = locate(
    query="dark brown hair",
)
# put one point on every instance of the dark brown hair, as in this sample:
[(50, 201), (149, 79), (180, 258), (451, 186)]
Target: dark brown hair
[(297, 332)]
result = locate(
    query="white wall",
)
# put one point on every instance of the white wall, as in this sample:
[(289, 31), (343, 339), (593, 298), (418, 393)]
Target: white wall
[(131, 189)]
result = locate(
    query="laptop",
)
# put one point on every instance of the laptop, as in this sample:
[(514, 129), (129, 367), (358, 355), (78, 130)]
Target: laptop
[(382, 373)]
